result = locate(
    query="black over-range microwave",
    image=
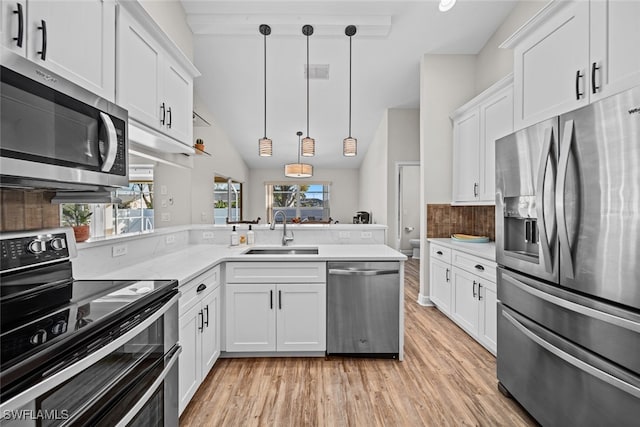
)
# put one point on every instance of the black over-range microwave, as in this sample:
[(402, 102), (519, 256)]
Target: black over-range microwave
[(56, 134)]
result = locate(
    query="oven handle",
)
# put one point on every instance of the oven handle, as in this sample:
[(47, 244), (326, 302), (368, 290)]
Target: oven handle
[(109, 158), (157, 383), (572, 360), (53, 381)]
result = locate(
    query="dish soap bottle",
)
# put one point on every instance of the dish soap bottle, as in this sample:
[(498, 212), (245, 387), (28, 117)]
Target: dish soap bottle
[(251, 236), (234, 237)]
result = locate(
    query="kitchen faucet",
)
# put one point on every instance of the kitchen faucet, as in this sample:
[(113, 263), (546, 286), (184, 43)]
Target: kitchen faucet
[(285, 239)]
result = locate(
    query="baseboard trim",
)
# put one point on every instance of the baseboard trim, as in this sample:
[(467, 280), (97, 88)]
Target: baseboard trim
[(424, 301)]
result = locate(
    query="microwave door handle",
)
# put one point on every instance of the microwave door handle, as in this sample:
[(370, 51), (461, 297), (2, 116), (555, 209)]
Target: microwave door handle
[(109, 158), (545, 238), (563, 230)]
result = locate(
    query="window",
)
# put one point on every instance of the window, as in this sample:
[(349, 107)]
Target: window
[(226, 190), (133, 214), (300, 202)]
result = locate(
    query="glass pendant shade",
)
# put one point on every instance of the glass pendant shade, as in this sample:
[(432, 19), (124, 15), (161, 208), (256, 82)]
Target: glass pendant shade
[(298, 170), (308, 147), (350, 147), (265, 147)]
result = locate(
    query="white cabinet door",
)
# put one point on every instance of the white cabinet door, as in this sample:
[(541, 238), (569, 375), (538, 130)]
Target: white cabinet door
[(178, 96), (615, 37), (191, 356), (551, 66), (211, 330), (301, 318), (465, 302), (488, 324), (250, 317), (13, 15), (440, 284), (466, 131), (139, 68), (496, 121)]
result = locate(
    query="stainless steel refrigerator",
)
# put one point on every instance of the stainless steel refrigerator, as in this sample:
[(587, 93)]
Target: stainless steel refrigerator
[(568, 249)]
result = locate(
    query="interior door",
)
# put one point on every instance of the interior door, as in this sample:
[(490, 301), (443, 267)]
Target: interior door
[(598, 199), (409, 206)]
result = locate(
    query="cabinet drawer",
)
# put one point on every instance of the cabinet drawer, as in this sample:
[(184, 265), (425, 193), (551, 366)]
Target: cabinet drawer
[(276, 272), (190, 295), (480, 267), (440, 253)]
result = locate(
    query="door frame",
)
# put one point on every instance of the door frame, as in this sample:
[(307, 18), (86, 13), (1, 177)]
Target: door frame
[(397, 217)]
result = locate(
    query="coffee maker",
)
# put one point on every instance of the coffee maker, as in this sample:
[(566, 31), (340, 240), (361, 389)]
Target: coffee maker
[(362, 217)]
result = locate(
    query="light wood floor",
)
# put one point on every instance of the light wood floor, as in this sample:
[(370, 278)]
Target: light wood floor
[(446, 379)]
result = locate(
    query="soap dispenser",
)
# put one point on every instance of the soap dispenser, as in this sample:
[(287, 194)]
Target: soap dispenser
[(234, 237), (251, 236)]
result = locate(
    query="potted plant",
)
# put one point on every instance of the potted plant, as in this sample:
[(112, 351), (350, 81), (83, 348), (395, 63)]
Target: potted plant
[(77, 216), (199, 144)]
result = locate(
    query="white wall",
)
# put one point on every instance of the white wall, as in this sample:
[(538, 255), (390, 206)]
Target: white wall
[(170, 16), (343, 194), (372, 194)]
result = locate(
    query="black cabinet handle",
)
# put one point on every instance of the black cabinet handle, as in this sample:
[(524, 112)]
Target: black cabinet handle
[(446, 275), (164, 113), (20, 37), (439, 252), (271, 300), (479, 289), (279, 300), (201, 288), (475, 189), (43, 52), (474, 289), (594, 86), (201, 327), (206, 322), (169, 121), (579, 75), (479, 267)]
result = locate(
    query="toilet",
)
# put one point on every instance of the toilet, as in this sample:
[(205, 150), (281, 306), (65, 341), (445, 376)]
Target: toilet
[(415, 244)]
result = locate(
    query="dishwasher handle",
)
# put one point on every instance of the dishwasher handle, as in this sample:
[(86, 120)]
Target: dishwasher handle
[(363, 272)]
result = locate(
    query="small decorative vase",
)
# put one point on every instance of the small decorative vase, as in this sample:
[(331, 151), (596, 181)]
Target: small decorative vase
[(81, 232)]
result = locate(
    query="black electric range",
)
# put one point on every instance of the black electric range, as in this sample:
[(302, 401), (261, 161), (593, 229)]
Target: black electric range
[(45, 313)]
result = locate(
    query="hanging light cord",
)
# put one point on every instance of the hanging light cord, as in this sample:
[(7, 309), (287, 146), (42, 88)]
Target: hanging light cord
[(350, 37), (265, 85), (307, 86)]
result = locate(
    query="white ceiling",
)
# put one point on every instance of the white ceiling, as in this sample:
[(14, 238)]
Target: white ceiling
[(392, 37)]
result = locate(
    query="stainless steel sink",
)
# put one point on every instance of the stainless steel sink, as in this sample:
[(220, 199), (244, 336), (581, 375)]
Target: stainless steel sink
[(282, 251)]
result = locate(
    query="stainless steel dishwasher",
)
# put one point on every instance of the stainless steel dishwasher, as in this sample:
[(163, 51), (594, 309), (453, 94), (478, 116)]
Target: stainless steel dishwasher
[(363, 308)]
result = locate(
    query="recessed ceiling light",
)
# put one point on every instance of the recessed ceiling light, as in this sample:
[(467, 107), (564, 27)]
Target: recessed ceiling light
[(445, 5)]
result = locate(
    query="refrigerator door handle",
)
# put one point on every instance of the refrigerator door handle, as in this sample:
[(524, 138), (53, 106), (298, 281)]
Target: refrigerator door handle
[(563, 230), (545, 238), (572, 360)]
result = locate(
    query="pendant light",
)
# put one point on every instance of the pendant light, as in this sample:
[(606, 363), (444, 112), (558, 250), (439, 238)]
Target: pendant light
[(308, 143), (350, 144), (265, 145), (298, 170)]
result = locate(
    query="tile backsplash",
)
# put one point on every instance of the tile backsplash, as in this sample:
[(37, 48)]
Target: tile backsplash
[(28, 210), (445, 220)]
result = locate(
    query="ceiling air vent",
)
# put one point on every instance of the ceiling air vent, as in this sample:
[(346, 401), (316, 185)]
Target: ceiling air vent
[(317, 71)]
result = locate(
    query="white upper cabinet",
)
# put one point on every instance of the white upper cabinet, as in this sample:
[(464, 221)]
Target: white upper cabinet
[(75, 39), (154, 78), (476, 126), (573, 53)]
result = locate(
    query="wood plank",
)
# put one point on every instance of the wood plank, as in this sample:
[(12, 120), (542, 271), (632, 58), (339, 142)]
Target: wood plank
[(446, 379)]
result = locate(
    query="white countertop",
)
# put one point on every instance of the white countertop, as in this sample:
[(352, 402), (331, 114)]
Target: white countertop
[(482, 250), (186, 264)]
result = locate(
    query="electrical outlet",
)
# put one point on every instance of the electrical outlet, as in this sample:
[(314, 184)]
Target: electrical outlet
[(207, 234), (118, 250), (366, 235), (165, 217), (170, 239), (344, 234)]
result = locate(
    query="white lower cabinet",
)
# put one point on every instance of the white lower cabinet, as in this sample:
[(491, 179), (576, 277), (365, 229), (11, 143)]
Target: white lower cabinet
[(284, 313), (275, 317), (464, 289), (199, 334)]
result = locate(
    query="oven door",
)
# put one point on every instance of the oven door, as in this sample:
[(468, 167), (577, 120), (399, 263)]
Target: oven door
[(52, 130), (132, 380)]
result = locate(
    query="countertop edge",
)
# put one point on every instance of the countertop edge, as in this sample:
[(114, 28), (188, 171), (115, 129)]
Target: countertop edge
[(482, 250)]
